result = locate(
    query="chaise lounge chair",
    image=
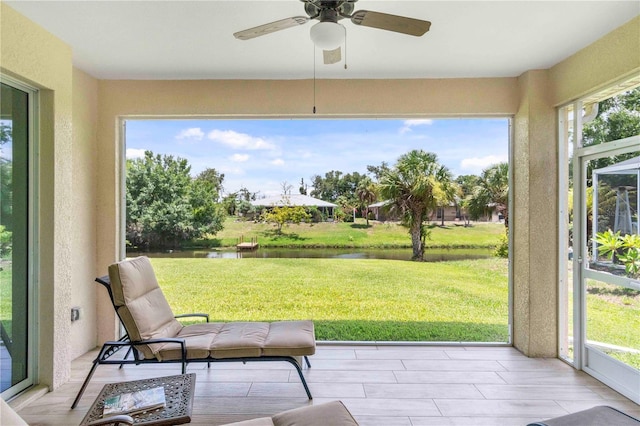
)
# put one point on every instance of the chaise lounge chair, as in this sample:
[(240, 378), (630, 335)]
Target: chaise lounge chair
[(154, 335)]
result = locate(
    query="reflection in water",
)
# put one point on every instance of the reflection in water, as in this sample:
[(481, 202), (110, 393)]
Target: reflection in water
[(431, 255)]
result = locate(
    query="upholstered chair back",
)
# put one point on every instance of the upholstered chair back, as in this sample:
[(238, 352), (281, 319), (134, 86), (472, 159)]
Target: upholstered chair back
[(143, 309)]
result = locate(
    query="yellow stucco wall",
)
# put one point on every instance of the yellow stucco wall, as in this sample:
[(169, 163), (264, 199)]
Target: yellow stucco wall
[(534, 187), (613, 57), (78, 125), (39, 59), (84, 232)]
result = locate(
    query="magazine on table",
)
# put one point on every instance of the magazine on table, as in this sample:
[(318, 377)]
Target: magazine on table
[(134, 402)]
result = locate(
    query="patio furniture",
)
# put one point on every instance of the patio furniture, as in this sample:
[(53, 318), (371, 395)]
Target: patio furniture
[(596, 416), (154, 335), (178, 391), (331, 413)]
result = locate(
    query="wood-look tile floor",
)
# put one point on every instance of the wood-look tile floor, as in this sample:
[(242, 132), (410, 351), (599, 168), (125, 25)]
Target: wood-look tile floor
[(381, 385)]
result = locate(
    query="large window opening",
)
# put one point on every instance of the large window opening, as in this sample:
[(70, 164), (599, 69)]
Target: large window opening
[(260, 219)]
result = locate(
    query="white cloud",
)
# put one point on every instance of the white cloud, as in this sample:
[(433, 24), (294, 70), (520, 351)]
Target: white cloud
[(239, 140), (477, 164), (133, 153), (408, 124), (194, 133), (278, 162), (235, 171), (239, 158)]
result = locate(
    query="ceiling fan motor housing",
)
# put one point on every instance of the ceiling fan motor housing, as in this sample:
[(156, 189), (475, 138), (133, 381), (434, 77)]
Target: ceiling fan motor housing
[(328, 10)]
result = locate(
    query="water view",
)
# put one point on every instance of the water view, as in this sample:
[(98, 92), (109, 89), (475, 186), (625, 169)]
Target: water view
[(431, 255)]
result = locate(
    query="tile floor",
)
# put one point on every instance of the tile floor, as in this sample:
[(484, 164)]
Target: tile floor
[(381, 385)]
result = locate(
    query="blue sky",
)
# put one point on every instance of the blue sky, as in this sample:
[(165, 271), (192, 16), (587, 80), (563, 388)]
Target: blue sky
[(262, 154)]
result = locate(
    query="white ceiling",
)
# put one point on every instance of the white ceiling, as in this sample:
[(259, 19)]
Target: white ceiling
[(194, 39)]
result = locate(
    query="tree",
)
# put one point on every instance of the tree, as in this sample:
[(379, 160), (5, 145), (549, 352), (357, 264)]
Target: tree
[(282, 215), (214, 178), (286, 188), (239, 202), (336, 184), (6, 179), (165, 206), (208, 215), (303, 187), (378, 171), (346, 210), (366, 193), (416, 185), (467, 183), (491, 193), (618, 118)]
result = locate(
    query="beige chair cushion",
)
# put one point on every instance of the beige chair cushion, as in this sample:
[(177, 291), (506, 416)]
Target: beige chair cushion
[(8, 417), (141, 303), (290, 338), (146, 314), (329, 414), (260, 421), (243, 339)]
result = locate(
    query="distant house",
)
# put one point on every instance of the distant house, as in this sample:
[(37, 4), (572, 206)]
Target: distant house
[(382, 212), (325, 207)]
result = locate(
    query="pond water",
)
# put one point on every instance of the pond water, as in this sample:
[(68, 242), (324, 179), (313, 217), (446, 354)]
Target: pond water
[(431, 255)]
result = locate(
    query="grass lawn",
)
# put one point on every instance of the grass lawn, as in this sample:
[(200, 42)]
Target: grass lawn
[(342, 234), (361, 300), (5, 298), (613, 317)]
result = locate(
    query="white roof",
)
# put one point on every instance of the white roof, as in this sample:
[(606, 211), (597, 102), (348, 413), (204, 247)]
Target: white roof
[(380, 203), (630, 166), (292, 200)]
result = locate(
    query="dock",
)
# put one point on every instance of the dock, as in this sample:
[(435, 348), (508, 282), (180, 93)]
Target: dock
[(247, 245)]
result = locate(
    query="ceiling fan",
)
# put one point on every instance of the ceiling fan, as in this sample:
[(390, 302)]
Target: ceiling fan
[(328, 34)]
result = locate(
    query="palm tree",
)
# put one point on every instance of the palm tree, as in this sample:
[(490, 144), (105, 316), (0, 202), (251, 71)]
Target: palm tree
[(452, 192), (491, 193), (416, 185), (366, 193)]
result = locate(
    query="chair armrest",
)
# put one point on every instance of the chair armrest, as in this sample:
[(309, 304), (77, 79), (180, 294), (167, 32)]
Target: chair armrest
[(145, 342), (180, 341), (206, 316), (121, 419)]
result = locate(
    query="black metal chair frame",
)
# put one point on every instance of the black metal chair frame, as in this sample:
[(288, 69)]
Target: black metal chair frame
[(111, 347)]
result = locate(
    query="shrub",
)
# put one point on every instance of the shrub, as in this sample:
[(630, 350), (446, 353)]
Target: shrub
[(502, 249), (5, 242)]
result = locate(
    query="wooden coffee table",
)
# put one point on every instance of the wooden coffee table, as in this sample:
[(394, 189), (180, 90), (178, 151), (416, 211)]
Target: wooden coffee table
[(178, 391)]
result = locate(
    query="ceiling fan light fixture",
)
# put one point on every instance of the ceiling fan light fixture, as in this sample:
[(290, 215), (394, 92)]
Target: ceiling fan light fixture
[(327, 35)]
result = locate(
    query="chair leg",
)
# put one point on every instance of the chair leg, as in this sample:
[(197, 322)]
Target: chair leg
[(127, 355), (306, 358), (295, 363), (85, 383)]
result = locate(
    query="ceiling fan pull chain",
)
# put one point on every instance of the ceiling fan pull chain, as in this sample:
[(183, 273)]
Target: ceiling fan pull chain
[(345, 50)]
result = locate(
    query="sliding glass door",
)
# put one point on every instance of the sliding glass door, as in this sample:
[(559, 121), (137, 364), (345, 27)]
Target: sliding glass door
[(610, 265), (16, 224)]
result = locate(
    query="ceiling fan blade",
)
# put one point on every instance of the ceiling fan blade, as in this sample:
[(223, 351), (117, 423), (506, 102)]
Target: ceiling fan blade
[(271, 27), (332, 56), (385, 21)]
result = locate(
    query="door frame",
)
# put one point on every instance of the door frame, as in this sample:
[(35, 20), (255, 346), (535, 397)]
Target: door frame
[(33, 230)]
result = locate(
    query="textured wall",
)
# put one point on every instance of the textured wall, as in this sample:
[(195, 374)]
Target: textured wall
[(614, 56), (36, 57), (85, 115), (535, 219)]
